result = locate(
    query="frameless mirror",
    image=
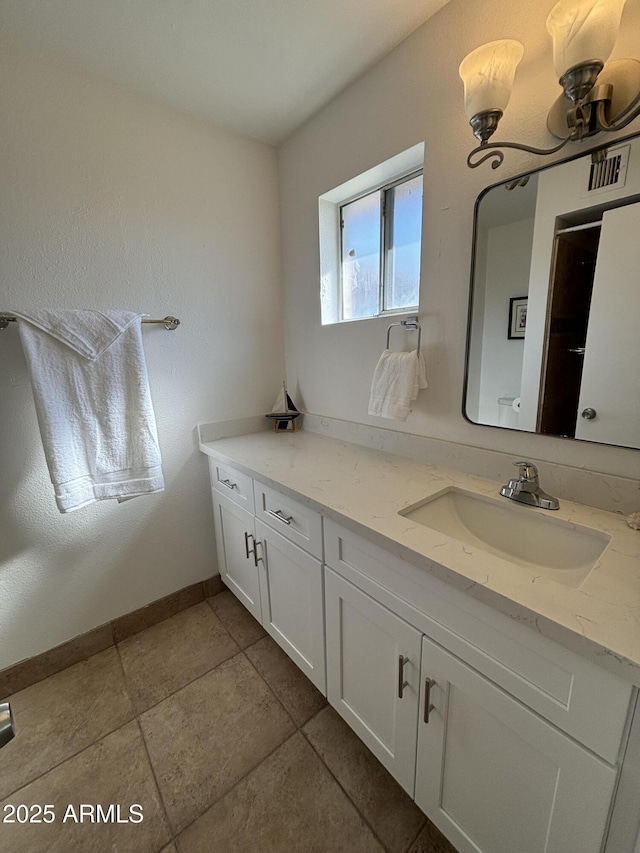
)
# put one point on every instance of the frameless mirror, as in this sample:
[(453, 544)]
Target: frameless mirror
[(554, 319)]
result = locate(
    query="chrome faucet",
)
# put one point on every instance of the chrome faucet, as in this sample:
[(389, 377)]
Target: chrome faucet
[(526, 489)]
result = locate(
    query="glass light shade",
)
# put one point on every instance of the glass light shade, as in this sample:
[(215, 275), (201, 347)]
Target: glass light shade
[(487, 73), (582, 30)]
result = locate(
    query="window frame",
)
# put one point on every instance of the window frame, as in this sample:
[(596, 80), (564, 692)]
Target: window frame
[(386, 226)]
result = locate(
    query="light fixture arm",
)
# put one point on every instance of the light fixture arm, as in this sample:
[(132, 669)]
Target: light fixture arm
[(498, 157), (621, 120)]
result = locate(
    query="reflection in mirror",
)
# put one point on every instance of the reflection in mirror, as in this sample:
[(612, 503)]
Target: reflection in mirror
[(554, 325)]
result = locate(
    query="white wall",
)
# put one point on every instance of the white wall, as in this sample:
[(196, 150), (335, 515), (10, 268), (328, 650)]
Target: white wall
[(111, 200), (415, 94), (508, 258)]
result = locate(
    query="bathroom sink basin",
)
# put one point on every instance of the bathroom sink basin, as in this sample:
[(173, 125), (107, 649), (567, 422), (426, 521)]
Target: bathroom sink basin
[(526, 537)]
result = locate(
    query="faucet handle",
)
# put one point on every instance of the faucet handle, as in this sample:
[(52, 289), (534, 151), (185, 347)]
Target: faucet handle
[(528, 472)]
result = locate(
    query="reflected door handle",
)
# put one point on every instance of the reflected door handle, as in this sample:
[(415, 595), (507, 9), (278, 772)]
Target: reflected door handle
[(589, 414)]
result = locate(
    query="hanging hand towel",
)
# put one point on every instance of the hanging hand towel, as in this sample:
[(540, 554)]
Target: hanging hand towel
[(92, 399), (398, 377)]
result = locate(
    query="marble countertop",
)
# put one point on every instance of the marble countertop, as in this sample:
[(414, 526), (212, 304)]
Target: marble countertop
[(365, 490)]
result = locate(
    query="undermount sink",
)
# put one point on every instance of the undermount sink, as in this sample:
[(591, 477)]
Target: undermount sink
[(531, 538)]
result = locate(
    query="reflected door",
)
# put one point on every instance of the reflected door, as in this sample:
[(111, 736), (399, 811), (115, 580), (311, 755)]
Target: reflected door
[(610, 378)]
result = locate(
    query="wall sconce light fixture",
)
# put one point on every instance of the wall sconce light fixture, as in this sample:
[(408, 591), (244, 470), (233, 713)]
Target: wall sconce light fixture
[(596, 97)]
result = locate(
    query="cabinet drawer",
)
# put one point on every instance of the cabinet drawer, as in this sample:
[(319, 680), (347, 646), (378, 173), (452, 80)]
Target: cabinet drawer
[(232, 484), (586, 701), (292, 519)]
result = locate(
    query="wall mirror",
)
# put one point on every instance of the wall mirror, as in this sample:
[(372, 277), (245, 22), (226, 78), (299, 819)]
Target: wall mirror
[(554, 319)]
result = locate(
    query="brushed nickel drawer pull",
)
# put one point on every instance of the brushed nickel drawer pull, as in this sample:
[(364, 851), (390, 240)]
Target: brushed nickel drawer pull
[(249, 551), (428, 707), (402, 683), (277, 513), (228, 484)]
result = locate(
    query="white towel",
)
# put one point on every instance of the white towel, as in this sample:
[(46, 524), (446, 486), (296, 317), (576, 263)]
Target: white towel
[(396, 381), (92, 399)]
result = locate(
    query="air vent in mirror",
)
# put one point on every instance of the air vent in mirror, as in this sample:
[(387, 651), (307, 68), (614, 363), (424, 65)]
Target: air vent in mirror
[(610, 172)]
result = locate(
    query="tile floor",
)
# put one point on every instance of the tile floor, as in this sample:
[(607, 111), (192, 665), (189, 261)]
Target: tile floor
[(206, 724)]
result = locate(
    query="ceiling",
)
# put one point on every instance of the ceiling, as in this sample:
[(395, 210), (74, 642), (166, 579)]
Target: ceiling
[(258, 67)]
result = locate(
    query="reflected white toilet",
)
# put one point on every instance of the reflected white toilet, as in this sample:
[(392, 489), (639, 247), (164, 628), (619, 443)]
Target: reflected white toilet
[(507, 414)]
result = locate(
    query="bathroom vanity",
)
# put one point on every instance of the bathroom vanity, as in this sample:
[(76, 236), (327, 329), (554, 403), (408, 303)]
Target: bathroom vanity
[(498, 689)]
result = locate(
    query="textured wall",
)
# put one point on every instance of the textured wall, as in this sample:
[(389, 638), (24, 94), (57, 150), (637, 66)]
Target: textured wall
[(415, 94), (111, 200)]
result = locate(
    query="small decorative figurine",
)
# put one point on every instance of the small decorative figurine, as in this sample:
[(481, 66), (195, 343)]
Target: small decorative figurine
[(284, 412)]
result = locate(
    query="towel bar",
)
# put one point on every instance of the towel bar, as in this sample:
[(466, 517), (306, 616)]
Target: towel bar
[(410, 324), (169, 323)]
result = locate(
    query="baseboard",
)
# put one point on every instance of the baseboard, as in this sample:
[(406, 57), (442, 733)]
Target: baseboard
[(27, 672)]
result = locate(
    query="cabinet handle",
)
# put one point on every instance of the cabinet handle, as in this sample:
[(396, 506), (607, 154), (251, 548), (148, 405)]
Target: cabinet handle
[(401, 679), (277, 513), (257, 559), (428, 707), (249, 551), (228, 484)]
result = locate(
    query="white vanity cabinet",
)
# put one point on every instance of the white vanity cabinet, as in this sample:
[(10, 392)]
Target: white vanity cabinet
[(276, 580), (487, 768), (292, 601), (506, 740), (497, 778), (373, 674), (235, 544)]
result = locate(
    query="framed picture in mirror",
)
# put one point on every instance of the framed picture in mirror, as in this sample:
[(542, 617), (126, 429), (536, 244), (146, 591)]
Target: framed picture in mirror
[(517, 317)]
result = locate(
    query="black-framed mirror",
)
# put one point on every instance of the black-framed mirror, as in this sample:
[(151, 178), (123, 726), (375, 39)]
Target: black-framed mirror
[(553, 342)]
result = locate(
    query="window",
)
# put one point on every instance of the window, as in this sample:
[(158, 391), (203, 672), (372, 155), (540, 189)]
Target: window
[(380, 250), (370, 241)]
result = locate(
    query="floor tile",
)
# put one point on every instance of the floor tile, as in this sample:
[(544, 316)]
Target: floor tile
[(244, 629), (292, 687), (431, 840), (171, 848), (162, 659), (206, 737), (114, 771), (61, 715), (390, 811), (289, 804)]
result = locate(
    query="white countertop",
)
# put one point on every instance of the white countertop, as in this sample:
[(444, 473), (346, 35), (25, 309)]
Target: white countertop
[(365, 490)]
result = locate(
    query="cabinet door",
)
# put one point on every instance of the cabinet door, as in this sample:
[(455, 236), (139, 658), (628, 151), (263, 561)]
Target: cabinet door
[(497, 778), (235, 544), (292, 601), (366, 683)]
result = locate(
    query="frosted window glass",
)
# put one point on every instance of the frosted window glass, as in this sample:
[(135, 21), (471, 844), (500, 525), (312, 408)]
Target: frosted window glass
[(361, 257), (404, 229)]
